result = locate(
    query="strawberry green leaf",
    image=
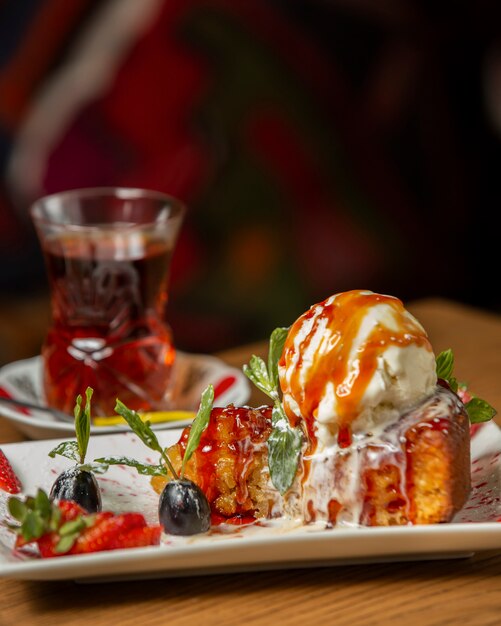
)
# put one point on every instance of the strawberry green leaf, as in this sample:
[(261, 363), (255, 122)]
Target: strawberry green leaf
[(17, 509), (55, 518), (66, 543), (43, 504), (32, 526), (73, 526)]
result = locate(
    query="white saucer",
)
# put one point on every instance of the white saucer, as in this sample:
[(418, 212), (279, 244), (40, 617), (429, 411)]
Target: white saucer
[(22, 380)]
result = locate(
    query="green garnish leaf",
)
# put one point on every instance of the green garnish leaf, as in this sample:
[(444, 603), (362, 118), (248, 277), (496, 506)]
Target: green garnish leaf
[(68, 449), (257, 373), (66, 543), (76, 450), (43, 504), (445, 367), (479, 410), (73, 526), (33, 526), (453, 384), (284, 442), (277, 342), (146, 469), (94, 467), (82, 423), (140, 428), (55, 518), (89, 520), (38, 516), (445, 364), (144, 432), (18, 509), (284, 447), (198, 425)]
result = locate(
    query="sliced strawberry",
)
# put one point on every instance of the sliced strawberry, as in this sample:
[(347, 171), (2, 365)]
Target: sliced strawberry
[(47, 545), (8, 480), (137, 538), (104, 532), (65, 528)]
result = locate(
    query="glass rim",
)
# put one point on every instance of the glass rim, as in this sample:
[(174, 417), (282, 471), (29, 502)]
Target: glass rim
[(176, 206)]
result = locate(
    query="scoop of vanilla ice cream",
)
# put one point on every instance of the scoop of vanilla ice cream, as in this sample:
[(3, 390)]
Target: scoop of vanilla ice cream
[(357, 360)]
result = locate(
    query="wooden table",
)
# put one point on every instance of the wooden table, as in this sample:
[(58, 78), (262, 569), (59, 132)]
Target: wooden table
[(466, 591)]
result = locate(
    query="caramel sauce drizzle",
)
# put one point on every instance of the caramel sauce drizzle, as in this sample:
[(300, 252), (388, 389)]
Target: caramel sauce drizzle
[(342, 317)]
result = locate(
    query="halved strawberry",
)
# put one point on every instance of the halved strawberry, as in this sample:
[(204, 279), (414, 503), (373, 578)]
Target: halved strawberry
[(8, 480)]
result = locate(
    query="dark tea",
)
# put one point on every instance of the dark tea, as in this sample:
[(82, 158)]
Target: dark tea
[(108, 297)]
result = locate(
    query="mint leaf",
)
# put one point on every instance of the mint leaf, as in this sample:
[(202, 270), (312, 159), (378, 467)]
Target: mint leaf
[(445, 364), (95, 467), (146, 469), (76, 450), (198, 425), (140, 428), (284, 442), (257, 373), (144, 432), (479, 411), (284, 447), (68, 449), (277, 342), (82, 423), (453, 384)]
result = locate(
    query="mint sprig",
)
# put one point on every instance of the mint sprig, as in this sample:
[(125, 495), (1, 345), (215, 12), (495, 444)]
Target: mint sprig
[(284, 442), (145, 433), (445, 367), (76, 450), (198, 425), (478, 410)]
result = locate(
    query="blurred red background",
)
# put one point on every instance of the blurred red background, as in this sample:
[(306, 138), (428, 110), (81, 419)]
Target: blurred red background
[(320, 146)]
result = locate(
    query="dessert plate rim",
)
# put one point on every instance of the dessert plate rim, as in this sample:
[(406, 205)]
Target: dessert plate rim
[(257, 548)]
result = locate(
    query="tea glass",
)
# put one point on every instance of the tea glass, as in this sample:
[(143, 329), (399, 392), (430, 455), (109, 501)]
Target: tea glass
[(107, 253)]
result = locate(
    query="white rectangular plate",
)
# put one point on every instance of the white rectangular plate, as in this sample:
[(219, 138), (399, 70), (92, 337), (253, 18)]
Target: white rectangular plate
[(475, 528)]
